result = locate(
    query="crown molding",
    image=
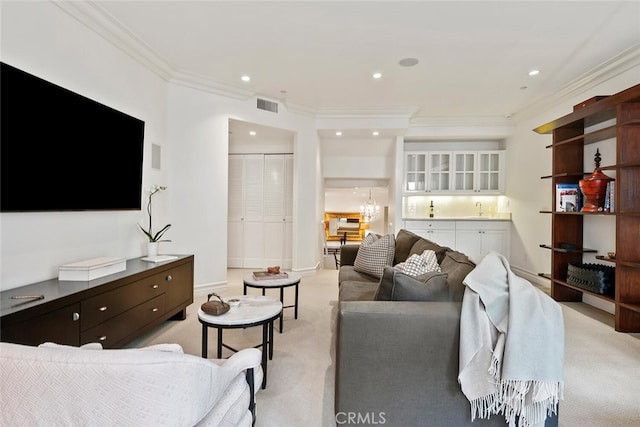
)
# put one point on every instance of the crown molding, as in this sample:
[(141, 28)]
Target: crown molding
[(196, 81), (365, 113), (615, 66), (104, 24)]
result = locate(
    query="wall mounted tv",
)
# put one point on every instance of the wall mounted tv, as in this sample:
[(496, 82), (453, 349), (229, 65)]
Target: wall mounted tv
[(61, 151)]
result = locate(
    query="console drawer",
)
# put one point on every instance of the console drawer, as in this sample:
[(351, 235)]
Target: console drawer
[(103, 307), (178, 286), (109, 333)]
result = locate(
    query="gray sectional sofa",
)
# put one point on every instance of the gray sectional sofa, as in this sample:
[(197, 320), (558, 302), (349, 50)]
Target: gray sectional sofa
[(397, 342)]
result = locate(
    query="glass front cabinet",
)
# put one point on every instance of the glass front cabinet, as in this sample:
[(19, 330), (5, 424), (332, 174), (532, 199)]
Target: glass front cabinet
[(454, 172), (427, 172), (479, 171)]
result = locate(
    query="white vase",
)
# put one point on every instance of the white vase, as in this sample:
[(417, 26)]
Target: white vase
[(152, 249)]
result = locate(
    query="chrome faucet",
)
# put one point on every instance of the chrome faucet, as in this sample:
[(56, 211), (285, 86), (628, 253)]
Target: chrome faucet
[(480, 209)]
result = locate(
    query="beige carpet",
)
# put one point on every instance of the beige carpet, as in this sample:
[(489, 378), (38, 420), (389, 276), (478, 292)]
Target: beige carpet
[(602, 367)]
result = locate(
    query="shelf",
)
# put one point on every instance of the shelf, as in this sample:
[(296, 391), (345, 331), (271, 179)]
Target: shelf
[(568, 251), (599, 111), (605, 258), (546, 212), (584, 291), (590, 137), (545, 275), (632, 307)]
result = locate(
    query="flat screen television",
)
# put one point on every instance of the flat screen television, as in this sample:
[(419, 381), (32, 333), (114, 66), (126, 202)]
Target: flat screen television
[(61, 151)]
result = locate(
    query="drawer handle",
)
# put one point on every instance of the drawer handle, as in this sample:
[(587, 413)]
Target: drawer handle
[(168, 278), (155, 286), (102, 338), (103, 308), (155, 309), (75, 317)]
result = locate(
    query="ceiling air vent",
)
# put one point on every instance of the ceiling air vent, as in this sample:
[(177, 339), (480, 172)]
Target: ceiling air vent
[(263, 104)]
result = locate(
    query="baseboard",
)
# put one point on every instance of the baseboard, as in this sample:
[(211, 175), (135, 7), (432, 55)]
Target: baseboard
[(206, 289), (532, 277)]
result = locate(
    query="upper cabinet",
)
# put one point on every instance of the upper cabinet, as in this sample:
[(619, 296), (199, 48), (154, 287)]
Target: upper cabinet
[(454, 172)]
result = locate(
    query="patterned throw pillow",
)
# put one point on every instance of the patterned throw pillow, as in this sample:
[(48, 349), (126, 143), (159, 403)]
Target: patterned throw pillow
[(416, 264), (374, 254)]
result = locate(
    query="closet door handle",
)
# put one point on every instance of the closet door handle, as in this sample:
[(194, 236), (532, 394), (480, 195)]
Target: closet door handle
[(103, 308)]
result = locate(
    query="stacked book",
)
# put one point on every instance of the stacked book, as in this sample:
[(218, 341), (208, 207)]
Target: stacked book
[(265, 275)]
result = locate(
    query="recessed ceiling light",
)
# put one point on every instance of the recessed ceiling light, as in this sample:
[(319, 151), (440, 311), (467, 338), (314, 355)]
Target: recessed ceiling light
[(252, 132), (408, 62), (375, 133), (246, 78), (377, 75), (534, 72), (338, 133)]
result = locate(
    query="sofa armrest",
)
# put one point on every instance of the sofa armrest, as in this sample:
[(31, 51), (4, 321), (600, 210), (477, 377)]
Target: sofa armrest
[(348, 254)]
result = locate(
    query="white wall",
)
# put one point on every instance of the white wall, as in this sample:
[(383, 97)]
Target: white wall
[(42, 39), (198, 137), (190, 125)]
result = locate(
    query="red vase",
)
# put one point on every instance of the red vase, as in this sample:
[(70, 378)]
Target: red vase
[(594, 188)]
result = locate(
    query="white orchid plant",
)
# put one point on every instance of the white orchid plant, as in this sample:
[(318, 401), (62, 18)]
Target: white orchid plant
[(157, 237)]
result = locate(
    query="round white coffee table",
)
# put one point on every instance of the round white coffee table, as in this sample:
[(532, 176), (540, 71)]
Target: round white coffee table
[(251, 311), (264, 284)]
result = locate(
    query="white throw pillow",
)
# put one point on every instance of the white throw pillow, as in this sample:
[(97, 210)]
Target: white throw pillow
[(416, 264), (374, 254)]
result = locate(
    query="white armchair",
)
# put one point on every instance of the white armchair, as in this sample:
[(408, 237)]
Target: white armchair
[(152, 386)]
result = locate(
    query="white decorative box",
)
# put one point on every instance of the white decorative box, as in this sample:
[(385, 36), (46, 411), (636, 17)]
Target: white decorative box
[(90, 269)]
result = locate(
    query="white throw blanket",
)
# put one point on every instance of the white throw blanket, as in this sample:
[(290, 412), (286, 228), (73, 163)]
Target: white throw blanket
[(511, 346)]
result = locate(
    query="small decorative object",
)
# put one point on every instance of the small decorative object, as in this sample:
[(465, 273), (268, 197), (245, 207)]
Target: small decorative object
[(274, 270), (154, 239), (594, 188), (596, 278), (234, 302), (214, 307), (431, 209), (611, 255)]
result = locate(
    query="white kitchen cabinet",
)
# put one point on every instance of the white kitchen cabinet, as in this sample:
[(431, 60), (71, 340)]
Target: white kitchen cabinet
[(477, 238), (427, 172), (478, 171), (260, 211), (441, 232)]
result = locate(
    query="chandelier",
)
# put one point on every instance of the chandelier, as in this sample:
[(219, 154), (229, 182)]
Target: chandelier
[(370, 209)]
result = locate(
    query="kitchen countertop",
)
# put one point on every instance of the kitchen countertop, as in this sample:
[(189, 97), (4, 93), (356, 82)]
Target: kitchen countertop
[(460, 218)]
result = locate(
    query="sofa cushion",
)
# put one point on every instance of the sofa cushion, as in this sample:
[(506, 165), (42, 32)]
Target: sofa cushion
[(374, 254), (404, 242), (397, 286), (416, 264), (457, 265), (357, 291), (347, 273), (424, 244)]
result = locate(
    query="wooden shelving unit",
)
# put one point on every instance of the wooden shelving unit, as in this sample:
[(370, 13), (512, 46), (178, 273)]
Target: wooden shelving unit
[(569, 139)]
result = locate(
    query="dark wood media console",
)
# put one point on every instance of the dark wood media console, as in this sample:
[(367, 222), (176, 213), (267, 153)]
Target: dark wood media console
[(112, 310)]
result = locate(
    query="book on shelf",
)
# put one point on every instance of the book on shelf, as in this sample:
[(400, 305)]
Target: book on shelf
[(568, 198), (265, 275), (609, 198)]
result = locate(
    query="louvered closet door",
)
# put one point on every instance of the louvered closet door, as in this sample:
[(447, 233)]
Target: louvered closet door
[(235, 209), (253, 242), (245, 231), (278, 209)]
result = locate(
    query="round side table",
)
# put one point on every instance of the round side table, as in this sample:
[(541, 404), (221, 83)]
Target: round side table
[(264, 284), (251, 311)]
